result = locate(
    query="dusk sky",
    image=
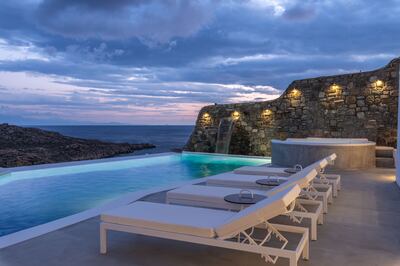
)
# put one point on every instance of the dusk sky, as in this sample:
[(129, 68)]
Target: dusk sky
[(160, 61)]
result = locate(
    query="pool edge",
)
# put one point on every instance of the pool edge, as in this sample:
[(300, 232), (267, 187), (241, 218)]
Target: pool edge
[(75, 163)]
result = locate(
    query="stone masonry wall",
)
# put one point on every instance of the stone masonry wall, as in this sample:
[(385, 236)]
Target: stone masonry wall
[(357, 105)]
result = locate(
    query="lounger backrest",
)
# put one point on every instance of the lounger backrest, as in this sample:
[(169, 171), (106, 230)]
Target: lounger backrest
[(305, 176), (259, 212), (321, 164), (331, 158), (302, 178)]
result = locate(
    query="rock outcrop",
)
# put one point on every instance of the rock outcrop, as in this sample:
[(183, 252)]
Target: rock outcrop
[(21, 146)]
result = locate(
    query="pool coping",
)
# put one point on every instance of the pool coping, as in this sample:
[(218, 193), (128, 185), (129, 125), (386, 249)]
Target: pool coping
[(75, 163), (32, 232), (227, 155)]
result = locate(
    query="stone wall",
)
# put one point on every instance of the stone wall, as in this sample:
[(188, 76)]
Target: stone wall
[(357, 105)]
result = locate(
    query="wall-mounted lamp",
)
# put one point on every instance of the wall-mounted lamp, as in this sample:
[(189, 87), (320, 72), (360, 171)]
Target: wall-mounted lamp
[(335, 88), (267, 112), (206, 115), (235, 115), (266, 115), (379, 84), (295, 93)]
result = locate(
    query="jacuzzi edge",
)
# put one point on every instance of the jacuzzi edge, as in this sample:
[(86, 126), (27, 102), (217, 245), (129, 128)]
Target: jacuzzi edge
[(305, 143), (39, 230)]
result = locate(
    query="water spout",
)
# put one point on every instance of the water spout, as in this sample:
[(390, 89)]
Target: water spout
[(224, 135)]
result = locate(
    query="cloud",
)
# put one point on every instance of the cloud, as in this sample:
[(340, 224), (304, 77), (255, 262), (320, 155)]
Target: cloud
[(83, 101), (153, 21), (299, 13), (99, 53), (25, 51)]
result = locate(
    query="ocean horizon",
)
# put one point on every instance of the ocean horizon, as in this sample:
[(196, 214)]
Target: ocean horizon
[(165, 137)]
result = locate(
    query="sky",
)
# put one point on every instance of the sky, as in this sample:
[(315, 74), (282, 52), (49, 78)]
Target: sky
[(159, 61)]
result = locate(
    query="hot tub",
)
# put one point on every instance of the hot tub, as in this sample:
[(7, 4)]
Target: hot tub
[(351, 153)]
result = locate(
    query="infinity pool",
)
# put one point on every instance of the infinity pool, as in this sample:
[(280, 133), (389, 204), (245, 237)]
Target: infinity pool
[(30, 198)]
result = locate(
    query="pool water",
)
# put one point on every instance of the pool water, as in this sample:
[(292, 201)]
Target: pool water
[(30, 198)]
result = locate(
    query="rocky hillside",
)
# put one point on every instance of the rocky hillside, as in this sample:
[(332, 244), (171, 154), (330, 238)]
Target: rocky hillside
[(21, 146)]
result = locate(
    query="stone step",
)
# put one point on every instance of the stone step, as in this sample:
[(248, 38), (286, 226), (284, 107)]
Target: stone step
[(384, 152), (383, 162)]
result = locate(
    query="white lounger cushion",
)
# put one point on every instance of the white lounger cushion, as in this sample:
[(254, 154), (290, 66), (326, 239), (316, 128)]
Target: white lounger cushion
[(331, 158), (236, 180), (302, 178), (169, 218), (259, 212), (200, 221), (268, 171), (260, 170), (206, 196)]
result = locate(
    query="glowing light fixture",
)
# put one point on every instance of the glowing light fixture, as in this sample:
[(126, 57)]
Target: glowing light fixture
[(206, 115), (295, 93), (267, 112), (235, 115), (335, 88), (379, 83)]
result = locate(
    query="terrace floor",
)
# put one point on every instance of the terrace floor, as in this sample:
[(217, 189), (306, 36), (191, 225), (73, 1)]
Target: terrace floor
[(361, 228)]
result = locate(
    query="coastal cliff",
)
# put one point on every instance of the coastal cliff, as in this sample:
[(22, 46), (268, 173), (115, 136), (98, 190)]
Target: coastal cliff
[(21, 146)]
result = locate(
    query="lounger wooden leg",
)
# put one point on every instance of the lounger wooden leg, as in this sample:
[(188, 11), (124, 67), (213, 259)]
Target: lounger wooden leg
[(103, 239), (325, 203), (334, 189), (293, 261), (321, 219), (313, 229), (306, 252)]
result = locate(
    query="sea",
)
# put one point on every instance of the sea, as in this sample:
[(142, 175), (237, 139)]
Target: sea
[(165, 137)]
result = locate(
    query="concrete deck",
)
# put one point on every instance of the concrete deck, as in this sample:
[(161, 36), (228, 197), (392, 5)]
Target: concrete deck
[(361, 228)]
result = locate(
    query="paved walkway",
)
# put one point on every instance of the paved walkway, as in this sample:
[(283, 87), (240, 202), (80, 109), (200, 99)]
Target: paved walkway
[(362, 228)]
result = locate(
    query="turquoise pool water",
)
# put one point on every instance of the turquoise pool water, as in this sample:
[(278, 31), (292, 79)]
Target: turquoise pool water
[(30, 198)]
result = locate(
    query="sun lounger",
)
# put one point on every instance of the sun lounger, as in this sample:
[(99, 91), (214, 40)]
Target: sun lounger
[(213, 197), (322, 178), (324, 192), (314, 191), (232, 230), (333, 179)]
